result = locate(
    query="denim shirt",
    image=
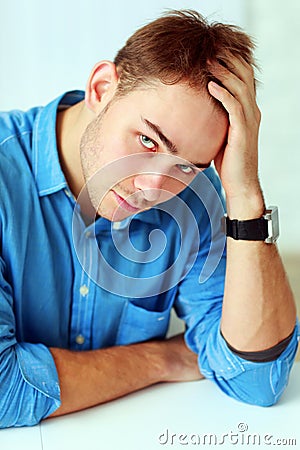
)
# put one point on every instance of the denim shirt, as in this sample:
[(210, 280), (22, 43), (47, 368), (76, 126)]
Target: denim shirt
[(70, 285)]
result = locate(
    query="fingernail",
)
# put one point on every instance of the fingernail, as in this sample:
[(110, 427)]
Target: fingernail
[(214, 85)]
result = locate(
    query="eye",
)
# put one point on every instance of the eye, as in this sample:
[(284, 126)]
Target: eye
[(185, 169), (147, 142)]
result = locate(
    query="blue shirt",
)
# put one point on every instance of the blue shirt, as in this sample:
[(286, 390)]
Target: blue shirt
[(69, 285)]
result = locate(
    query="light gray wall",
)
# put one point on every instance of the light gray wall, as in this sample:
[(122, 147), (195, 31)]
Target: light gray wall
[(276, 28), (48, 47)]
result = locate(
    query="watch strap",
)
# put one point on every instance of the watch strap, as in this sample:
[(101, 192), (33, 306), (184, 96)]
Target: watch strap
[(247, 230)]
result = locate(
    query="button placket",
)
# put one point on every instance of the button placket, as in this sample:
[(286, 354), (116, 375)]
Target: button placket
[(81, 316)]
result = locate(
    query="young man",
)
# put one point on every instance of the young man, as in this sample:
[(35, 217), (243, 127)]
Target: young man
[(90, 267)]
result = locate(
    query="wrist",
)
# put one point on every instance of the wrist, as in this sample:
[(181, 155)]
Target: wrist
[(157, 354), (245, 206)]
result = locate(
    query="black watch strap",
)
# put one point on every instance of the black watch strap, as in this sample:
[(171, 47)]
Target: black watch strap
[(247, 230)]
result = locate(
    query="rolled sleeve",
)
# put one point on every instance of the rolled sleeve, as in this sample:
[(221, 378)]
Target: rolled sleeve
[(29, 387), (199, 305), (257, 383)]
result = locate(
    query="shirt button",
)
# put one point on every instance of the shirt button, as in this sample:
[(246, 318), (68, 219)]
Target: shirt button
[(79, 339), (88, 234), (116, 225), (84, 290)]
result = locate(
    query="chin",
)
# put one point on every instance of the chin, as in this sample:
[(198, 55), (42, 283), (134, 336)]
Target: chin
[(112, 211), (115, 215)]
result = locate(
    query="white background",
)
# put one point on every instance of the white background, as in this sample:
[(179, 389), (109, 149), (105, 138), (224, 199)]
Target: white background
[(48, 47)]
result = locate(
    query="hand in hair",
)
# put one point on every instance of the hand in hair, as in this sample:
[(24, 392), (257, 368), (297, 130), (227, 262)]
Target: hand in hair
[(237, 162)]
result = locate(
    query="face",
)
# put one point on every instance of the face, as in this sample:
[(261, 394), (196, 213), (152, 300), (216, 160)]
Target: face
[(148, 146)]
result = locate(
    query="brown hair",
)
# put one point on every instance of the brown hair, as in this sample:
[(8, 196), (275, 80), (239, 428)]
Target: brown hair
[(176, 48)]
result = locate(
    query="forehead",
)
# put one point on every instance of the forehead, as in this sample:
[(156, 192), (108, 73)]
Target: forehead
[(188, 118)]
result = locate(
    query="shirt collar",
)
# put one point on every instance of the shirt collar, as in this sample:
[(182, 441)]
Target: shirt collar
[(46, 166)]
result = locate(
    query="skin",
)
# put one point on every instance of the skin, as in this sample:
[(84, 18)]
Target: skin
[(258, 308), (113, 135)]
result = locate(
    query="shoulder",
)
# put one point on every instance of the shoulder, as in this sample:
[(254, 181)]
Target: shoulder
[(204, 193), (16, 129), (15, 151), (204, 183), (16, 123)]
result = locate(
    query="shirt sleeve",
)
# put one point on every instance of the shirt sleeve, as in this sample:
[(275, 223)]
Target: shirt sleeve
[(199, 304), (29, 387)]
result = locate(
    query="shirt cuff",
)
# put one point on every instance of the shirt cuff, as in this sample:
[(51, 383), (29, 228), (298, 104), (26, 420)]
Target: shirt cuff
[(38, 370)]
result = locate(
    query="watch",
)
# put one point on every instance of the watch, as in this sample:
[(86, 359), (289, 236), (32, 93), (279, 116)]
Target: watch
[(265, 228)]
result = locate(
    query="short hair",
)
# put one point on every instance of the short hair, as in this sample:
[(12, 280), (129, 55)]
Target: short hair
[(177, 48)]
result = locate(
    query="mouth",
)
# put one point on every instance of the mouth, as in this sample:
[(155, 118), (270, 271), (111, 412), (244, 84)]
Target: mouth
[(125, 204)]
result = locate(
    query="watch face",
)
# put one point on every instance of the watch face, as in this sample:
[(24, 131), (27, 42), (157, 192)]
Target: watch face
[(273, 224)]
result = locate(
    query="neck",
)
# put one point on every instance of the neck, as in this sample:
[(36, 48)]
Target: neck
[(70, 125)]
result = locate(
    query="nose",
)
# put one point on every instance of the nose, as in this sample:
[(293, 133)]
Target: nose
[(151, 185)]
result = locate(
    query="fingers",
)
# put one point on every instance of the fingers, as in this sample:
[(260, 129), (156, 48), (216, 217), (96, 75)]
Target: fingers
[(238, 67), (243, 71), (238, 97), (237, 118)]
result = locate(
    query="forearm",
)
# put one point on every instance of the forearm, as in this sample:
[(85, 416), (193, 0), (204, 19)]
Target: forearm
[(259, 309), (94, 377), (98, 376)]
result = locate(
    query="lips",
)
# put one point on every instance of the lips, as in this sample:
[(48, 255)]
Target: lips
[(125, 204)]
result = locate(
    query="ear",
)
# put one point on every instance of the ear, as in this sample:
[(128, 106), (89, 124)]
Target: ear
[(101, 85)]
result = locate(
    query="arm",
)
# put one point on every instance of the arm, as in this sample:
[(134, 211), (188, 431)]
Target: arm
[(98, 376), (258, 309), (199, 304), (30, 389)]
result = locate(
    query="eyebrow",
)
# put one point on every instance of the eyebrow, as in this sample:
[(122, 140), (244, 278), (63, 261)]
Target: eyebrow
[(157, 130), (169, 144)]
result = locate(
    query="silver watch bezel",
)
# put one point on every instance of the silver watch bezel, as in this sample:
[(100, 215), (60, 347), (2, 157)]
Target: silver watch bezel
[(271, 215)]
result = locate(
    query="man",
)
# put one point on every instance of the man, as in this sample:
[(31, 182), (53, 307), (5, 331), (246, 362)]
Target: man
[(84, 304)]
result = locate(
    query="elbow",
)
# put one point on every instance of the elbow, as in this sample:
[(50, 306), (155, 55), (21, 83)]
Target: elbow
[(14, 411), (262, 384), (21, 404), (262, 397)]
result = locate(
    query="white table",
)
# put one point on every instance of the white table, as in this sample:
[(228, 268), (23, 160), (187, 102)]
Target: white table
[(189, 409)]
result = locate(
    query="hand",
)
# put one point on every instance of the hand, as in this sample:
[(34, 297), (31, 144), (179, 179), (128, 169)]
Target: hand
[(237, 163), (181, 362)]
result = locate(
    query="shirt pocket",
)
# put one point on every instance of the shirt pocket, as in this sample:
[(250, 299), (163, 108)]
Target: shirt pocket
[(139, 324)]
